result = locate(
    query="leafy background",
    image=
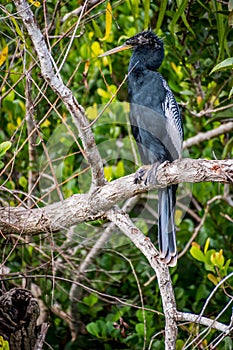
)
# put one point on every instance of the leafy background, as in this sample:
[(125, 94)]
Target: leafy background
[(198, 37)]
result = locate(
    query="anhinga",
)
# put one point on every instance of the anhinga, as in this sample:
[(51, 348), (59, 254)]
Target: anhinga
[(156, 126)]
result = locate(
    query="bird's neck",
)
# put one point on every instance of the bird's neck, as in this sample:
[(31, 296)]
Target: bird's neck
[(147, 58)]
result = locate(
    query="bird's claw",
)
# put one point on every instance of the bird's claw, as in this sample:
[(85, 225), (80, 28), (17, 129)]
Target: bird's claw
[(147, 173)]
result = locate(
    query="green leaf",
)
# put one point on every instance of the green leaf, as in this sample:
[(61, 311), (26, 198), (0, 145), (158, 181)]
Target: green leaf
[(162, 10), (90, 300), (4, 146), (108, 173), (18, 31), (146, 16), (207, 243), (92, 328), (134, 5), (212, 278), (228, 148), (197, 253), (228, 344), (140, 328), (97, 29), (208, 255), (120, 171), (179, 344), (108, 22), (23, 182), (218, 259), (231, 93), (4, 345), (225, 267), (177, 15), (226, 64)]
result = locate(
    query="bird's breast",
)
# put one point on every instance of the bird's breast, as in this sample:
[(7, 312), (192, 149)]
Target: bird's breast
[(146, 89)]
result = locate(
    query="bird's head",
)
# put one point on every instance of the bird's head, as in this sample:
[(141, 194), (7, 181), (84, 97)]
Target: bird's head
[(146, 39)]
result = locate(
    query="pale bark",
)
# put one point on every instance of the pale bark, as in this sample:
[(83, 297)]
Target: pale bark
[(205, 136), (93, 205)]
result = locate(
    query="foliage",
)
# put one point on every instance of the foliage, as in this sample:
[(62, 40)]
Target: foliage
[(198, 45), (4, 146), (213, 260), (4, 345)]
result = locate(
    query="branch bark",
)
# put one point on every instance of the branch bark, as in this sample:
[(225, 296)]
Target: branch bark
[(205, 321), (94, 205), (143, 243), (205, 136)]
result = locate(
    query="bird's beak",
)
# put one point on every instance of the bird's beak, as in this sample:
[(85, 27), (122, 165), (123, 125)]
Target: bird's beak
[(116, 49)]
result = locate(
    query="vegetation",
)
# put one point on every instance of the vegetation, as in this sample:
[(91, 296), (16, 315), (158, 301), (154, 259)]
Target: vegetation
[(117, 301)]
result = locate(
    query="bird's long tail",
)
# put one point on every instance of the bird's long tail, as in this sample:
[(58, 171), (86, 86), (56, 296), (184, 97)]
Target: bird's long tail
[(166, 225)]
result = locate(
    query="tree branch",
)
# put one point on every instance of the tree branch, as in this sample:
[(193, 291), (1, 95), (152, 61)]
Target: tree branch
[(205, 136), (48, 68), (205, 321), (93, 205), (143, 243)]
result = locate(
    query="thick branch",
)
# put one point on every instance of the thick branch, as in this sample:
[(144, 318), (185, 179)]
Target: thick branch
[(93, 205), (205, 136), (57, 85), (205, 321)]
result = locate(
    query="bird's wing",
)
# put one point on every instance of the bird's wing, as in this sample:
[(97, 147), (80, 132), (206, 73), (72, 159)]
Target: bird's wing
[(173, 117)]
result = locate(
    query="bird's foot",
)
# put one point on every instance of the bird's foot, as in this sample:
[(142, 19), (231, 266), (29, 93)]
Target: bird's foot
[(147, 173)]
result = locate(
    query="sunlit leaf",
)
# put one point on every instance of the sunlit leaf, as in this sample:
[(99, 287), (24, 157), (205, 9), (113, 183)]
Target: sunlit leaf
[(226, 64), (103, 93), (120, 171), (18, 31), (108, 173), (4, 146), (217, 259), (92, 112), (197, 253), (95, 48), (212, 278), (108, 22), (207, 243), (4, 345), (3, 55), (35, 3)]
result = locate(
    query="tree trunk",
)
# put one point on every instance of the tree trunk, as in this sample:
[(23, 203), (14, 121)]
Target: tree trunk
[(18, 314)]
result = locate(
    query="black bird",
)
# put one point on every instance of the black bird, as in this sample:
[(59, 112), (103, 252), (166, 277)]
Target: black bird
[(156, 126)]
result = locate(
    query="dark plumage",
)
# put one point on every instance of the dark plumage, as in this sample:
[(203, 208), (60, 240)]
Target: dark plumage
[(156, 126)]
